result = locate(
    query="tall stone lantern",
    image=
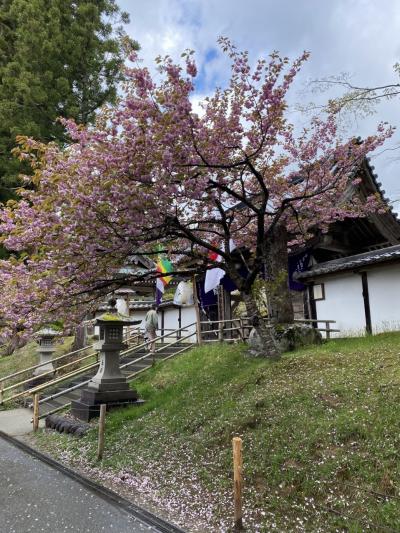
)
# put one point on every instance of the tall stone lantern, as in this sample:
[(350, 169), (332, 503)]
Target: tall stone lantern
[(108, 386), (46, 340)]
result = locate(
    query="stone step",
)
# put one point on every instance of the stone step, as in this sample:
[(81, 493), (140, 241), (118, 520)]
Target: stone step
[(161, 347), (78, 380), (53, 404), (135, 366), (132, 370), (131, 360), (72, 395)]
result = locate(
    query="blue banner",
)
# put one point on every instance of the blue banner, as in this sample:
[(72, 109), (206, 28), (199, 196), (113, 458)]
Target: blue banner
[(298, 263)]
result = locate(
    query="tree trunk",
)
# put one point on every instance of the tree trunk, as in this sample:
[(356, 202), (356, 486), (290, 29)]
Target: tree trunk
[(279, 297), (266, 345), (14, 344), (80, 340)]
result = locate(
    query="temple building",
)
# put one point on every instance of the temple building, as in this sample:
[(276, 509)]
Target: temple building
[(353, 275), (349, 274)]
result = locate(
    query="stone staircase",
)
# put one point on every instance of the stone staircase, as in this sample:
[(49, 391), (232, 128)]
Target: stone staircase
[(59, 397)]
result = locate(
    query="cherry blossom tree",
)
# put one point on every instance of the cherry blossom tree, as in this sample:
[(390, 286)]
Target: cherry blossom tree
[(153, 173)]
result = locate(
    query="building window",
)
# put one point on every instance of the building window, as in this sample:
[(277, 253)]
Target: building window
[(319, 292)]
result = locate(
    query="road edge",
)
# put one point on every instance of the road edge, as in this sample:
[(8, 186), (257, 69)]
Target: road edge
[(135, 510)]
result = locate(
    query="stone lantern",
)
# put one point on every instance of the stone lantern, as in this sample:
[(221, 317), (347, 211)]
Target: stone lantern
[(108, 386), (46, 340)]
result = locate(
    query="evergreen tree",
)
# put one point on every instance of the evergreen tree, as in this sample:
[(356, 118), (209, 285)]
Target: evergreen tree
[(58, 58)]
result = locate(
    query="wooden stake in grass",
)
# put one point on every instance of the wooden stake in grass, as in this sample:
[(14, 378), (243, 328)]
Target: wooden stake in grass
[(35, 412), (237, 481), (102, 425)]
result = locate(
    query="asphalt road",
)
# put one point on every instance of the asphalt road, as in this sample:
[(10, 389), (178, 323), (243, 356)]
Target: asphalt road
[(34, 497)]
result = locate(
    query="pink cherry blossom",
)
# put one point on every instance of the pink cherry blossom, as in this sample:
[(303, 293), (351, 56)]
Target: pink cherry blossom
[(154, 173)]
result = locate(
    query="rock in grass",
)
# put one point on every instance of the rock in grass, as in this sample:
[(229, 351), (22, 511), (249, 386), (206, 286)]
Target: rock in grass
[(288, 337)]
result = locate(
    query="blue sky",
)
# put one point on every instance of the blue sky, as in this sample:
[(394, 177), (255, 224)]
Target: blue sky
[(359, 37)]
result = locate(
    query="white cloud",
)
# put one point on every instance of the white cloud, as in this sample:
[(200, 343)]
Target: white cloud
[(355, 36)]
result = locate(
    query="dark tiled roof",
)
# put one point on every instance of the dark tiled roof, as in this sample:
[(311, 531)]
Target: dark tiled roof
[(137, 305), (144, 304), (378, 186), (352, 262)]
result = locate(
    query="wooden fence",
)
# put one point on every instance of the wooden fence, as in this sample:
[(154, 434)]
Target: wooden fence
[(239, 328)]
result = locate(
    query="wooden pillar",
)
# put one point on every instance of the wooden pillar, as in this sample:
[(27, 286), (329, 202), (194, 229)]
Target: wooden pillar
[(367, 309), (221, 302), (227, 311), (162, 322), (306, 307), (313, 307), (221, 312), (35, 412), (237, 482), (102, 425), (197, 310)]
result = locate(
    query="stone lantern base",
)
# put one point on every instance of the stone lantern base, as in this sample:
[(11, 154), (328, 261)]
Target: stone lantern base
[(88, 405), (109, 385)]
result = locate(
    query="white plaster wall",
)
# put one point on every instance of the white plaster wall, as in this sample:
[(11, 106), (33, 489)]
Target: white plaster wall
[(384, 298), (344, 303), (138, 315), (171, 315)]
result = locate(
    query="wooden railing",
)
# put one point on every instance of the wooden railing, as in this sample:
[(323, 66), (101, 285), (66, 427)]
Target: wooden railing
[(239, 328), (315, 321)]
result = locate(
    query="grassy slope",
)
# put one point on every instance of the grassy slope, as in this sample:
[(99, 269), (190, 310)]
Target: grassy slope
[(321, 432)]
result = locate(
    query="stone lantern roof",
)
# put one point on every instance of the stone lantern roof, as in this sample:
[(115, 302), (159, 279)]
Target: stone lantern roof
[(115, 319), (48, 331)]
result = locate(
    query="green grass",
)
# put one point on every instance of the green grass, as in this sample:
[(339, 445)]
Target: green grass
[(320, 429)]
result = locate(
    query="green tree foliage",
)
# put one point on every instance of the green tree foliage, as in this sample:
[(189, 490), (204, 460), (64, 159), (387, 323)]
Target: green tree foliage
[(58, 58)]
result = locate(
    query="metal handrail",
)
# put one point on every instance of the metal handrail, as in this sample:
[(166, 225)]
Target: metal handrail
[(49, 384), (57, 394), (39, 388), (45, 363), (15, 385), (23, 371), (61, 393), (129, 378), (49, 372), (150, 354), (147, 343)]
